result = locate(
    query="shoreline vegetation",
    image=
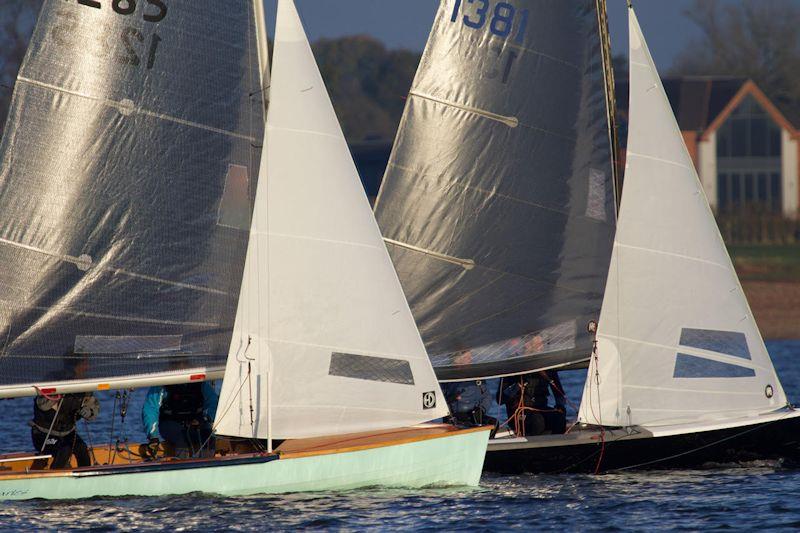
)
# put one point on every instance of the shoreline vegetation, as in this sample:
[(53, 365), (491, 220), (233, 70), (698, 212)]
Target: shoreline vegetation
[(770, 277)]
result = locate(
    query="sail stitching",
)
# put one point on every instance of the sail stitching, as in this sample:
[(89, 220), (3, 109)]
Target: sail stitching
[(113, 317), (684, 391), (339, 349), (667, 161), (126, 108), (310, 132), (499, 195), (673, 254), (722, 358), (317, 239)]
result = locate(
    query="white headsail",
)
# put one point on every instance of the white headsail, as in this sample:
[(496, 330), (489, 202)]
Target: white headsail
[(321, 306), (677, 342)]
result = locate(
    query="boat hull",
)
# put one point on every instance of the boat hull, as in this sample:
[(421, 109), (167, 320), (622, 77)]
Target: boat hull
[(580, 452), (450, 459)]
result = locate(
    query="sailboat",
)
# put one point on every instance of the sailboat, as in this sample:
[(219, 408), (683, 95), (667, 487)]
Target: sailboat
[(679, 376), (326, 383), (678, 373)]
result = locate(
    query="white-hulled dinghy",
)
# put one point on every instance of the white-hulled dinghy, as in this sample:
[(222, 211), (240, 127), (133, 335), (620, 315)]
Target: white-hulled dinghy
[(680, 376)]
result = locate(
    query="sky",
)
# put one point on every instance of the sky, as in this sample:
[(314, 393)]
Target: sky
[(406, 24)]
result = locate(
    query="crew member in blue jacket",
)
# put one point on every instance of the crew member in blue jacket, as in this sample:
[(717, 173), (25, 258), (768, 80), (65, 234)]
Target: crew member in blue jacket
[(181, 416)]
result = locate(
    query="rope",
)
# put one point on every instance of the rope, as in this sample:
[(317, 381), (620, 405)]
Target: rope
[(46, 437), (111, 432), (91, 444)]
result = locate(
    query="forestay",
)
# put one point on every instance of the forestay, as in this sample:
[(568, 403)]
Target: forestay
[(498, 203), (128, 158), (321, 308), (677, 342)]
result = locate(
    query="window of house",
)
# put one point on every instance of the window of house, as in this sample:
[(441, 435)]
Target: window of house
[(749, 160)]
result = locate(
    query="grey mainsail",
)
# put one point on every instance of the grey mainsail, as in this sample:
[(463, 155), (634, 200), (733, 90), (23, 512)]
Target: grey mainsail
[(128, 164), (498, 204)]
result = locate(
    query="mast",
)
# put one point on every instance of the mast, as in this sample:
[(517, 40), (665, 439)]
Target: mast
[(264, 363), (263, 48), (611, 91)]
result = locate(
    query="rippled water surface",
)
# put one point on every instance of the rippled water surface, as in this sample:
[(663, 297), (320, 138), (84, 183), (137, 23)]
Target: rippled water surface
[(756, 496)]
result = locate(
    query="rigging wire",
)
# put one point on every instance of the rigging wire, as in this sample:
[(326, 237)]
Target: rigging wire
[(111, 431), (91, 444)]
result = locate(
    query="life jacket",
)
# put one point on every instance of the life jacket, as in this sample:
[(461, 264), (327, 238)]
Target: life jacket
[(67, 417), (182, 402)]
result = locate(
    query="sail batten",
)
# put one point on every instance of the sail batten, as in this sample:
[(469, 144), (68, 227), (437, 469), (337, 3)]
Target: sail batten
[(503, 159)]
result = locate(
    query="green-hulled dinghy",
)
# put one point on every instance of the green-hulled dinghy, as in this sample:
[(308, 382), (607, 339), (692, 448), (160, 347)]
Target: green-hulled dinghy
[(325, 359)]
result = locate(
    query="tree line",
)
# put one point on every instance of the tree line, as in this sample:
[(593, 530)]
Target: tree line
[(368, 83)]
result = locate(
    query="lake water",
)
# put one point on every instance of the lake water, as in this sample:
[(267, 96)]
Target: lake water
[(754, 496)]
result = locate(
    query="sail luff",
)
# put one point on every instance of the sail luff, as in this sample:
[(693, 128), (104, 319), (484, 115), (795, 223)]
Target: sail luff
[(677, 341)]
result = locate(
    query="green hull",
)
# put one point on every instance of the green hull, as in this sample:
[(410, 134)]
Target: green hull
[(454, 460)]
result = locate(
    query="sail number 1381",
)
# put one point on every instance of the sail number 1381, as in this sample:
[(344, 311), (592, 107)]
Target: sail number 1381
[(502, 18)]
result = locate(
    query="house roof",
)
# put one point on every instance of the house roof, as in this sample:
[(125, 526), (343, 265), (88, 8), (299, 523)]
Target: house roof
[(702, 103)]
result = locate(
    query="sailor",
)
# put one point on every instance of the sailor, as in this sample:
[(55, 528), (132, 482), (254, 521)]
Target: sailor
[(54, 428), (527, 404), (181, 416), (469, 403)]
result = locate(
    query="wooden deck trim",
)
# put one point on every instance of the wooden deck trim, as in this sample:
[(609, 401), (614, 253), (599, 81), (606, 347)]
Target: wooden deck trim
[(383, 444)]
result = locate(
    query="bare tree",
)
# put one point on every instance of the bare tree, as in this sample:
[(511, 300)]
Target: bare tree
[(756, 39)]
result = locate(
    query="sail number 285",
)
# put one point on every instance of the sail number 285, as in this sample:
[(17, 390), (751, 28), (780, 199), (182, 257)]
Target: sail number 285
[(502, 18), (155, 10)]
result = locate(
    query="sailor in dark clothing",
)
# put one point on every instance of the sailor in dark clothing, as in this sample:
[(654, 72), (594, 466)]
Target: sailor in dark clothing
[(54, 428), (469, 403), (526, 401), (181, 415)]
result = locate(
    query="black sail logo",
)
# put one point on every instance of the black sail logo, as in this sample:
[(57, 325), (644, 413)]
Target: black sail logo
[(429, 400)]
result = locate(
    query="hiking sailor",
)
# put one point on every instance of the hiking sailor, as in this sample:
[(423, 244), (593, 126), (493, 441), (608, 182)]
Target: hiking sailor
[(54, 428), (181, 416)]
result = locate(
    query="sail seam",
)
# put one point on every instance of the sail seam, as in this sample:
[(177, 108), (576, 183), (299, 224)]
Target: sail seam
[(673, 254), (722, 358), (114, 317), (667, 161), (310, 132), (318, 239), (501, 195), (122, 107), (406, 357), (77, 261), (684, 391)]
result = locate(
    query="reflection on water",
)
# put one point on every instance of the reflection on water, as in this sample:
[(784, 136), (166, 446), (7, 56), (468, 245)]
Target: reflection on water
[(756, 495)]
